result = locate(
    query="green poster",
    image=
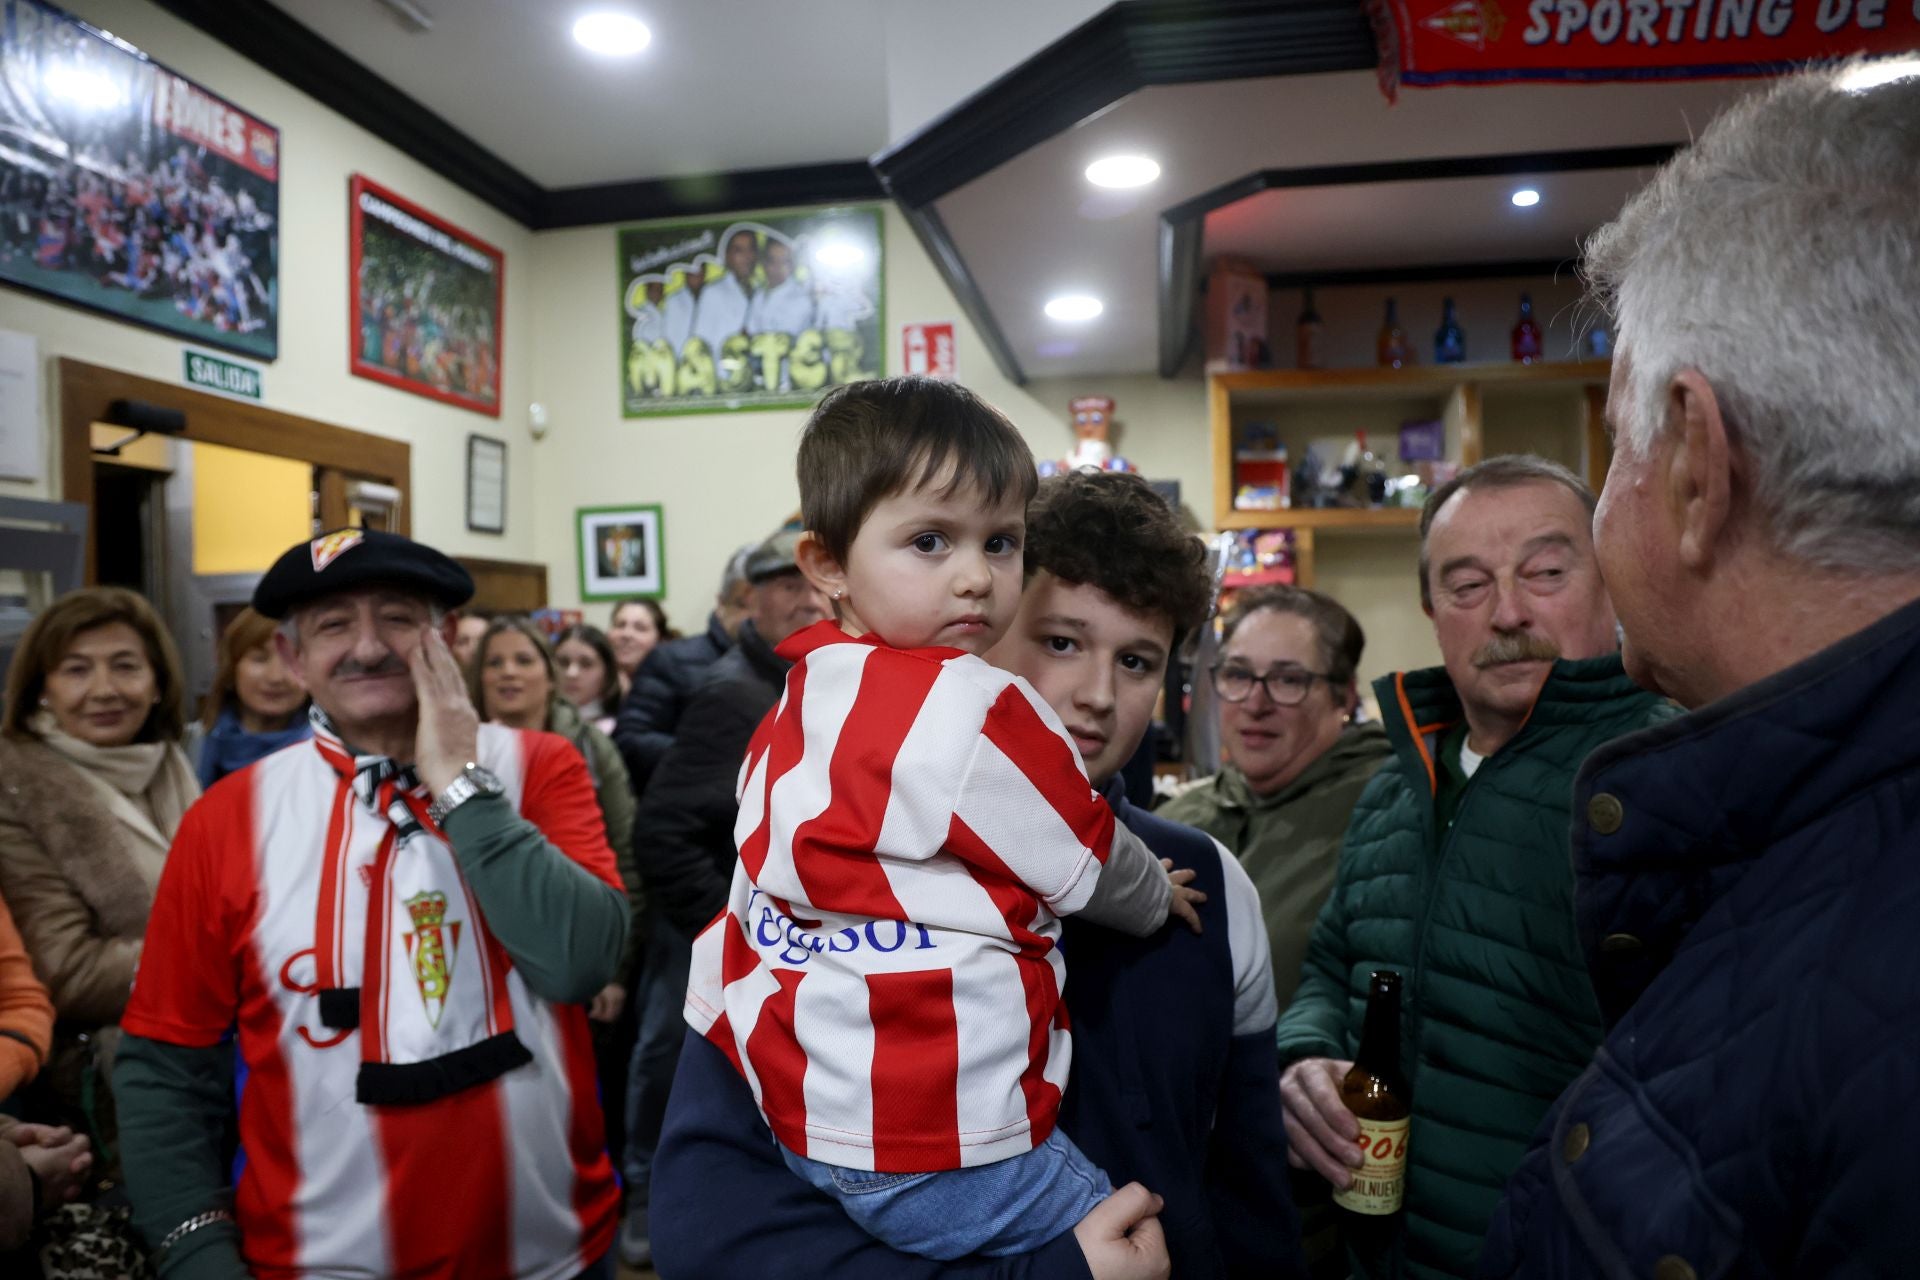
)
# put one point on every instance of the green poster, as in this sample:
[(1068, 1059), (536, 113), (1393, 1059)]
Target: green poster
[(751, 311)]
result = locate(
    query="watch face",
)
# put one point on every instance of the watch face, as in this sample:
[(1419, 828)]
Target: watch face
[(484, 780)]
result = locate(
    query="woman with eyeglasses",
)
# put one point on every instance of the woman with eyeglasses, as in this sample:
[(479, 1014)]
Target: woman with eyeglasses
[(1296, 762)]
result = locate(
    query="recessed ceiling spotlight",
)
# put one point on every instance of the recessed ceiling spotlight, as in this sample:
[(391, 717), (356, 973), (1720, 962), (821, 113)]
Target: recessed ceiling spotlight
[(1526, 197), (1122, 171), (614, 35), (1871, 75), (1074, 307)]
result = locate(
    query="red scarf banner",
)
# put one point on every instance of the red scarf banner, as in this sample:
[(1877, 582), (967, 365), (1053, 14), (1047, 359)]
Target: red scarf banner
[(1435, 42)]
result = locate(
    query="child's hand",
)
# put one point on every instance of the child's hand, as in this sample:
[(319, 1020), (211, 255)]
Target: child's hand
[(1185, 900)]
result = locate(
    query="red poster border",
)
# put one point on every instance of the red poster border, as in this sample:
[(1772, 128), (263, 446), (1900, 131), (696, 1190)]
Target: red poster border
[(358, 184)]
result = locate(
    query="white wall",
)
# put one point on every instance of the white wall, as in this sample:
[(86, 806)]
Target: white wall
[(722, 479), (318, 150)]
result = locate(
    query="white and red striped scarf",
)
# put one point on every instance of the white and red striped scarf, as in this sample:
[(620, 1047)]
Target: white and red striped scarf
[(402, 948)]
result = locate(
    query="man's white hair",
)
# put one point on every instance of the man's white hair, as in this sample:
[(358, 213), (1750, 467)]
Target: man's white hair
[(1779, 255)]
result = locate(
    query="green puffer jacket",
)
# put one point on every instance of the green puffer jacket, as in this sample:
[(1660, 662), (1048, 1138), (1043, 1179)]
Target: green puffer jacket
[(1499, 1013)]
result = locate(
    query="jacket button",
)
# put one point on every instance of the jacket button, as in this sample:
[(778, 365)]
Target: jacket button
[(1672, 1267), (1616, 943), (1578, 1139), (1604, 814)]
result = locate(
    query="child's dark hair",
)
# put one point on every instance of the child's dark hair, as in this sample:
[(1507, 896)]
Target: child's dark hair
[(867, 440), (1110, 530)]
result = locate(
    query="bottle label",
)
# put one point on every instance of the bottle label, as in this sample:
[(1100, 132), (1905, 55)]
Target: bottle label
[(1380, 1183)]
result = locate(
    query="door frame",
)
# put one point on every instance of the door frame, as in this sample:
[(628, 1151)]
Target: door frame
[(87, 392)]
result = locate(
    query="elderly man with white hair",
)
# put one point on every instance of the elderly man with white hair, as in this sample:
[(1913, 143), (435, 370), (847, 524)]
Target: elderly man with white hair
[(1749, 893)]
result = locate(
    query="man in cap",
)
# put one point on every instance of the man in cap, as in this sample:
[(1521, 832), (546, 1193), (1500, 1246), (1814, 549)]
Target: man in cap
[(403, 917), (683, 839)]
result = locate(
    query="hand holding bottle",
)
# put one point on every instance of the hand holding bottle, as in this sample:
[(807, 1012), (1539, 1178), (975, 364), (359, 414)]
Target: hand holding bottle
[(1322, 1134)]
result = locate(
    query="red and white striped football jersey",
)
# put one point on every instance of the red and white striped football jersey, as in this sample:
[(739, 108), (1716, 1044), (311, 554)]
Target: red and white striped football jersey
[(506, 1179), (887, 973)]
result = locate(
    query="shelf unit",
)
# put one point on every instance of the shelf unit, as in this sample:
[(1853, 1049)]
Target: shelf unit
[(1368, 558)]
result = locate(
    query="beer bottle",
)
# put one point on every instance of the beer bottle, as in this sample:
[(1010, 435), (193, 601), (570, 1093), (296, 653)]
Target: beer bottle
[(1377, 1094)]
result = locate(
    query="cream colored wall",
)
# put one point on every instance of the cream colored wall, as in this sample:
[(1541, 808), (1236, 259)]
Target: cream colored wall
[(721, 479), (319, 150)]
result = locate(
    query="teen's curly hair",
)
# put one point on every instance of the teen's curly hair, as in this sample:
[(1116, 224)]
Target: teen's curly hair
[(1109, 529)]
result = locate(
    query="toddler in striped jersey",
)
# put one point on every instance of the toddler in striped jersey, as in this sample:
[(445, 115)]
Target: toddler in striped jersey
[(913, 823)]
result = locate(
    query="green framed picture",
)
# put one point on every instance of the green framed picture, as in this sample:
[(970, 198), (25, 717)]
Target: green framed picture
[(750, 311), (621, 552)]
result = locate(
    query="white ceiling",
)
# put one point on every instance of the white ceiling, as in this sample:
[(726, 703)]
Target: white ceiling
[(1034, 227), (725, 85), (1393, 224)]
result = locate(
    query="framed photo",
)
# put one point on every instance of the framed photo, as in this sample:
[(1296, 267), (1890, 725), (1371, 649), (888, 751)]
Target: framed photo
[(128, 189), (621, 553), (425, 299), (486, 485), (754, 311)]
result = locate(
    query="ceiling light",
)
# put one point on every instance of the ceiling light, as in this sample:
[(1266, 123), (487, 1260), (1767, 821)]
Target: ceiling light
[(1074, 307), (1122, 171), (616, 35), (1526, 197), (1871, 75), (839, 254)]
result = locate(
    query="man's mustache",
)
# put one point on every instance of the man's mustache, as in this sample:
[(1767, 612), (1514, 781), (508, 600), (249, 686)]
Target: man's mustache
[(391, 665), (1516, 646)]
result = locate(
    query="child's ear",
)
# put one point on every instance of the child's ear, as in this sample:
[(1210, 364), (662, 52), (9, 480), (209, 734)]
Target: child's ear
[(819, 567)]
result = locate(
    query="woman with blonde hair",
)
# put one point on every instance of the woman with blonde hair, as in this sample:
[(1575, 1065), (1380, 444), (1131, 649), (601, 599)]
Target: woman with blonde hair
[(92, 786), (255, 706)]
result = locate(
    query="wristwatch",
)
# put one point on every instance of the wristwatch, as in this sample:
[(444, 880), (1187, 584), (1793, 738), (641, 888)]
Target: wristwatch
[(473, 781)]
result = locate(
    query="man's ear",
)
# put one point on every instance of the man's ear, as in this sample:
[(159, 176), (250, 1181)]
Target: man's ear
[(290, 657), (819, 566), (1699, 472)]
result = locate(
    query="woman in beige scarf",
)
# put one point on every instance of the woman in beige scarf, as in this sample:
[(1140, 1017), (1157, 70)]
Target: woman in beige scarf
[(92, 786)]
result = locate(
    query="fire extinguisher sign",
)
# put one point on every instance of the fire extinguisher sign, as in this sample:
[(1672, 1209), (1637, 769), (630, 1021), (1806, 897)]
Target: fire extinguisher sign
[(928, 350)]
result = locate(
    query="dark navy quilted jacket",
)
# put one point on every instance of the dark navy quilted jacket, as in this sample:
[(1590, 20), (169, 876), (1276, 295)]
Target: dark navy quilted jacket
[(1750, 904)]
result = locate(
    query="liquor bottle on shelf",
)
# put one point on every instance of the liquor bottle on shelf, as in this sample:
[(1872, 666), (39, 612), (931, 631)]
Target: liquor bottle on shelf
[(1375, 1090), (1308, 334), (1526, 334), (1369, 473), (1450, 341), (1393, 349)]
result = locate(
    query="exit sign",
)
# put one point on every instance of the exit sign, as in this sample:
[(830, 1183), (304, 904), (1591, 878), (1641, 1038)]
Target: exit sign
[(225, 376), (929, 351)]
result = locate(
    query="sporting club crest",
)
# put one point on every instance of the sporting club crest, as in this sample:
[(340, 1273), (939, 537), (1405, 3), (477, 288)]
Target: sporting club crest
[(330, 548), (433, 948)]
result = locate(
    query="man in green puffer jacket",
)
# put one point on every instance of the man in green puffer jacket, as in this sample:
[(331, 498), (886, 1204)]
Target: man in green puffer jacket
[(1456, 872)]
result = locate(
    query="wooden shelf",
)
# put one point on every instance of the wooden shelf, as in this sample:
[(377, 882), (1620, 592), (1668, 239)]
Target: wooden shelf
[(1459, 395), (1234, 581), (1330, 519), (1256, 385)]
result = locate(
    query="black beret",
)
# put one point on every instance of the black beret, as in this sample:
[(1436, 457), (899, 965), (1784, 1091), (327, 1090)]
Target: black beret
[(350, 558)]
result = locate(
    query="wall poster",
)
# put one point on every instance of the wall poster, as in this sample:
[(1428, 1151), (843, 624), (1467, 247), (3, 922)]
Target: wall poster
[(425, 298), (128, 189), (754, 311)]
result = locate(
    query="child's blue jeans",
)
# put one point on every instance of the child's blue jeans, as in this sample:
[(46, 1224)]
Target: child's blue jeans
[(1010, 1206)]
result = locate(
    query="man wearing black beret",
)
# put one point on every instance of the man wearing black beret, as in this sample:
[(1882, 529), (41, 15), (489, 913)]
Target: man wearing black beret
[(402, 918)]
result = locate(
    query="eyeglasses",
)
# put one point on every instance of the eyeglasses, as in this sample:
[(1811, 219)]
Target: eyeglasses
[(1285, 686)]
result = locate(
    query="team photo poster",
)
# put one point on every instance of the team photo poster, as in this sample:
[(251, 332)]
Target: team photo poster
[(754, 311), (425, 299), (130, 190)]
